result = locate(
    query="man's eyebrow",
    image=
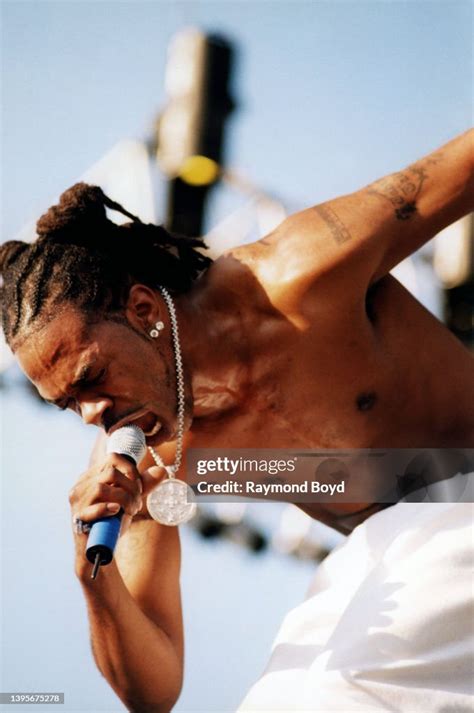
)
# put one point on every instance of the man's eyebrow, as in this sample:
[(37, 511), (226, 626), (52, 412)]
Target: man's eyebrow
[(80, 380)]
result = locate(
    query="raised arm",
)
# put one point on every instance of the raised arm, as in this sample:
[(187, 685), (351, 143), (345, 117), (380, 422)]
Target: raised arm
[(363, 235)]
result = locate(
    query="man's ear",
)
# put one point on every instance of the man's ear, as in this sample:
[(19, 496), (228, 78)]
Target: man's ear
[(143, 307)]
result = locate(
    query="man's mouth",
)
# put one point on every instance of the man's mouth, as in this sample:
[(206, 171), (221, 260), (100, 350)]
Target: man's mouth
[(149, 423)]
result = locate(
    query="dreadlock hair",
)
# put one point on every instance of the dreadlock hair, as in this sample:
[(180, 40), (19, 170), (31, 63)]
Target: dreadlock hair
[(82, 258)]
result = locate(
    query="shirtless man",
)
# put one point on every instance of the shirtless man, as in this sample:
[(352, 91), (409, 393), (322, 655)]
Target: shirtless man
[(300, 340)]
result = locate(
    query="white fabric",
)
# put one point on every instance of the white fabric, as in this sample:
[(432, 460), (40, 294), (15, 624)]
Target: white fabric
[(387, 624)]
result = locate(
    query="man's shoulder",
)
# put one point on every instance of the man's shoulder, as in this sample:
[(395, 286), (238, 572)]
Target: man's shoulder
[(238, 275)]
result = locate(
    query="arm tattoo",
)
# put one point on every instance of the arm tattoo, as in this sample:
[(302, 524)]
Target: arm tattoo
[(339, 231), (403, 188)]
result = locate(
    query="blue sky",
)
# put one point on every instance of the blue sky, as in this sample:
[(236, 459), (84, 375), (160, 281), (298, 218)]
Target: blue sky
[(331, 95)]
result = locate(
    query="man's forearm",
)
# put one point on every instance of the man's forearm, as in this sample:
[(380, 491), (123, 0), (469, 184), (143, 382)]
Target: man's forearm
[(424, 198), (133, 653)]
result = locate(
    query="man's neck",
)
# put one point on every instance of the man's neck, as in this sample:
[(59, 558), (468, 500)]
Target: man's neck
[(216, 354)]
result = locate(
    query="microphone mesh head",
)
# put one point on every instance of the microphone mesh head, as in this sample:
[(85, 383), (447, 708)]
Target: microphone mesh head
[(128, 441)]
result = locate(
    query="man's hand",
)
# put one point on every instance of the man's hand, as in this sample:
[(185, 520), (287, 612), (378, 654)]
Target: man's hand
[(100, 492), (150, 475)]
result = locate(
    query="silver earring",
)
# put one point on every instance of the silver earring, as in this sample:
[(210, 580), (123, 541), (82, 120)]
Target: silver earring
[(155, 332)]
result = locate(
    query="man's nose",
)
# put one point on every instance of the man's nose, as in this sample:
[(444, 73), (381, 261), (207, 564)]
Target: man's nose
[(92, 411)]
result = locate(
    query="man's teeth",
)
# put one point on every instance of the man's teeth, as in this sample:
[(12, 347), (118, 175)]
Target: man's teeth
[(154, 430)]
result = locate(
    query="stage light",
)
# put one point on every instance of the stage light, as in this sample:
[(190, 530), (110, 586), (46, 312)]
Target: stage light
[(190, 131)]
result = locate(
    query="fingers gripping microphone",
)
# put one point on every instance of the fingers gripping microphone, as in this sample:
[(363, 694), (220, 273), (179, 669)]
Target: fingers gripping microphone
[(128, 441)]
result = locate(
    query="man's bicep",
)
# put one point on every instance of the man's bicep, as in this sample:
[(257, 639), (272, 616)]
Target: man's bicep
[(332, 243)]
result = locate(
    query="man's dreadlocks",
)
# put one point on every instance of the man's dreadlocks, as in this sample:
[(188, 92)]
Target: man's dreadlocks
[(82, 257)]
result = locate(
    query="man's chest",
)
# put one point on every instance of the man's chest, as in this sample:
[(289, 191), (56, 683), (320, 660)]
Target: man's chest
[(313, 391)]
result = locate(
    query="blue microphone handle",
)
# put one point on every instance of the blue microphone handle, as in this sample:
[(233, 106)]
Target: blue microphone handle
[(103, 537)]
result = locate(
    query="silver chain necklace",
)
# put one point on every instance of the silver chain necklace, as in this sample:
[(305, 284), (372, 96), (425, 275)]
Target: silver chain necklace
[(172, 469), (172, 501)]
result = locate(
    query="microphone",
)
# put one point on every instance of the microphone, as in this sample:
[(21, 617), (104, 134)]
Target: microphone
[(128, 441)]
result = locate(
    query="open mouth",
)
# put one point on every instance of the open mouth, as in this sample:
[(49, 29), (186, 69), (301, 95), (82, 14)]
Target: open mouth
[(149, 423)]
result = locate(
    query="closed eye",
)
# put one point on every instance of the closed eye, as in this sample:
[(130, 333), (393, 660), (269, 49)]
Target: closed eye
[(61, 405), (83, 384), (90, 383)]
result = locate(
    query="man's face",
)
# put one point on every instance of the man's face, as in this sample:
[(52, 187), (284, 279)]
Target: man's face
[(105, 372)]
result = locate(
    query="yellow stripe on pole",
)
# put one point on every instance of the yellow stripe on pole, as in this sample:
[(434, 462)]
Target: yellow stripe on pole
[(199, 171)]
